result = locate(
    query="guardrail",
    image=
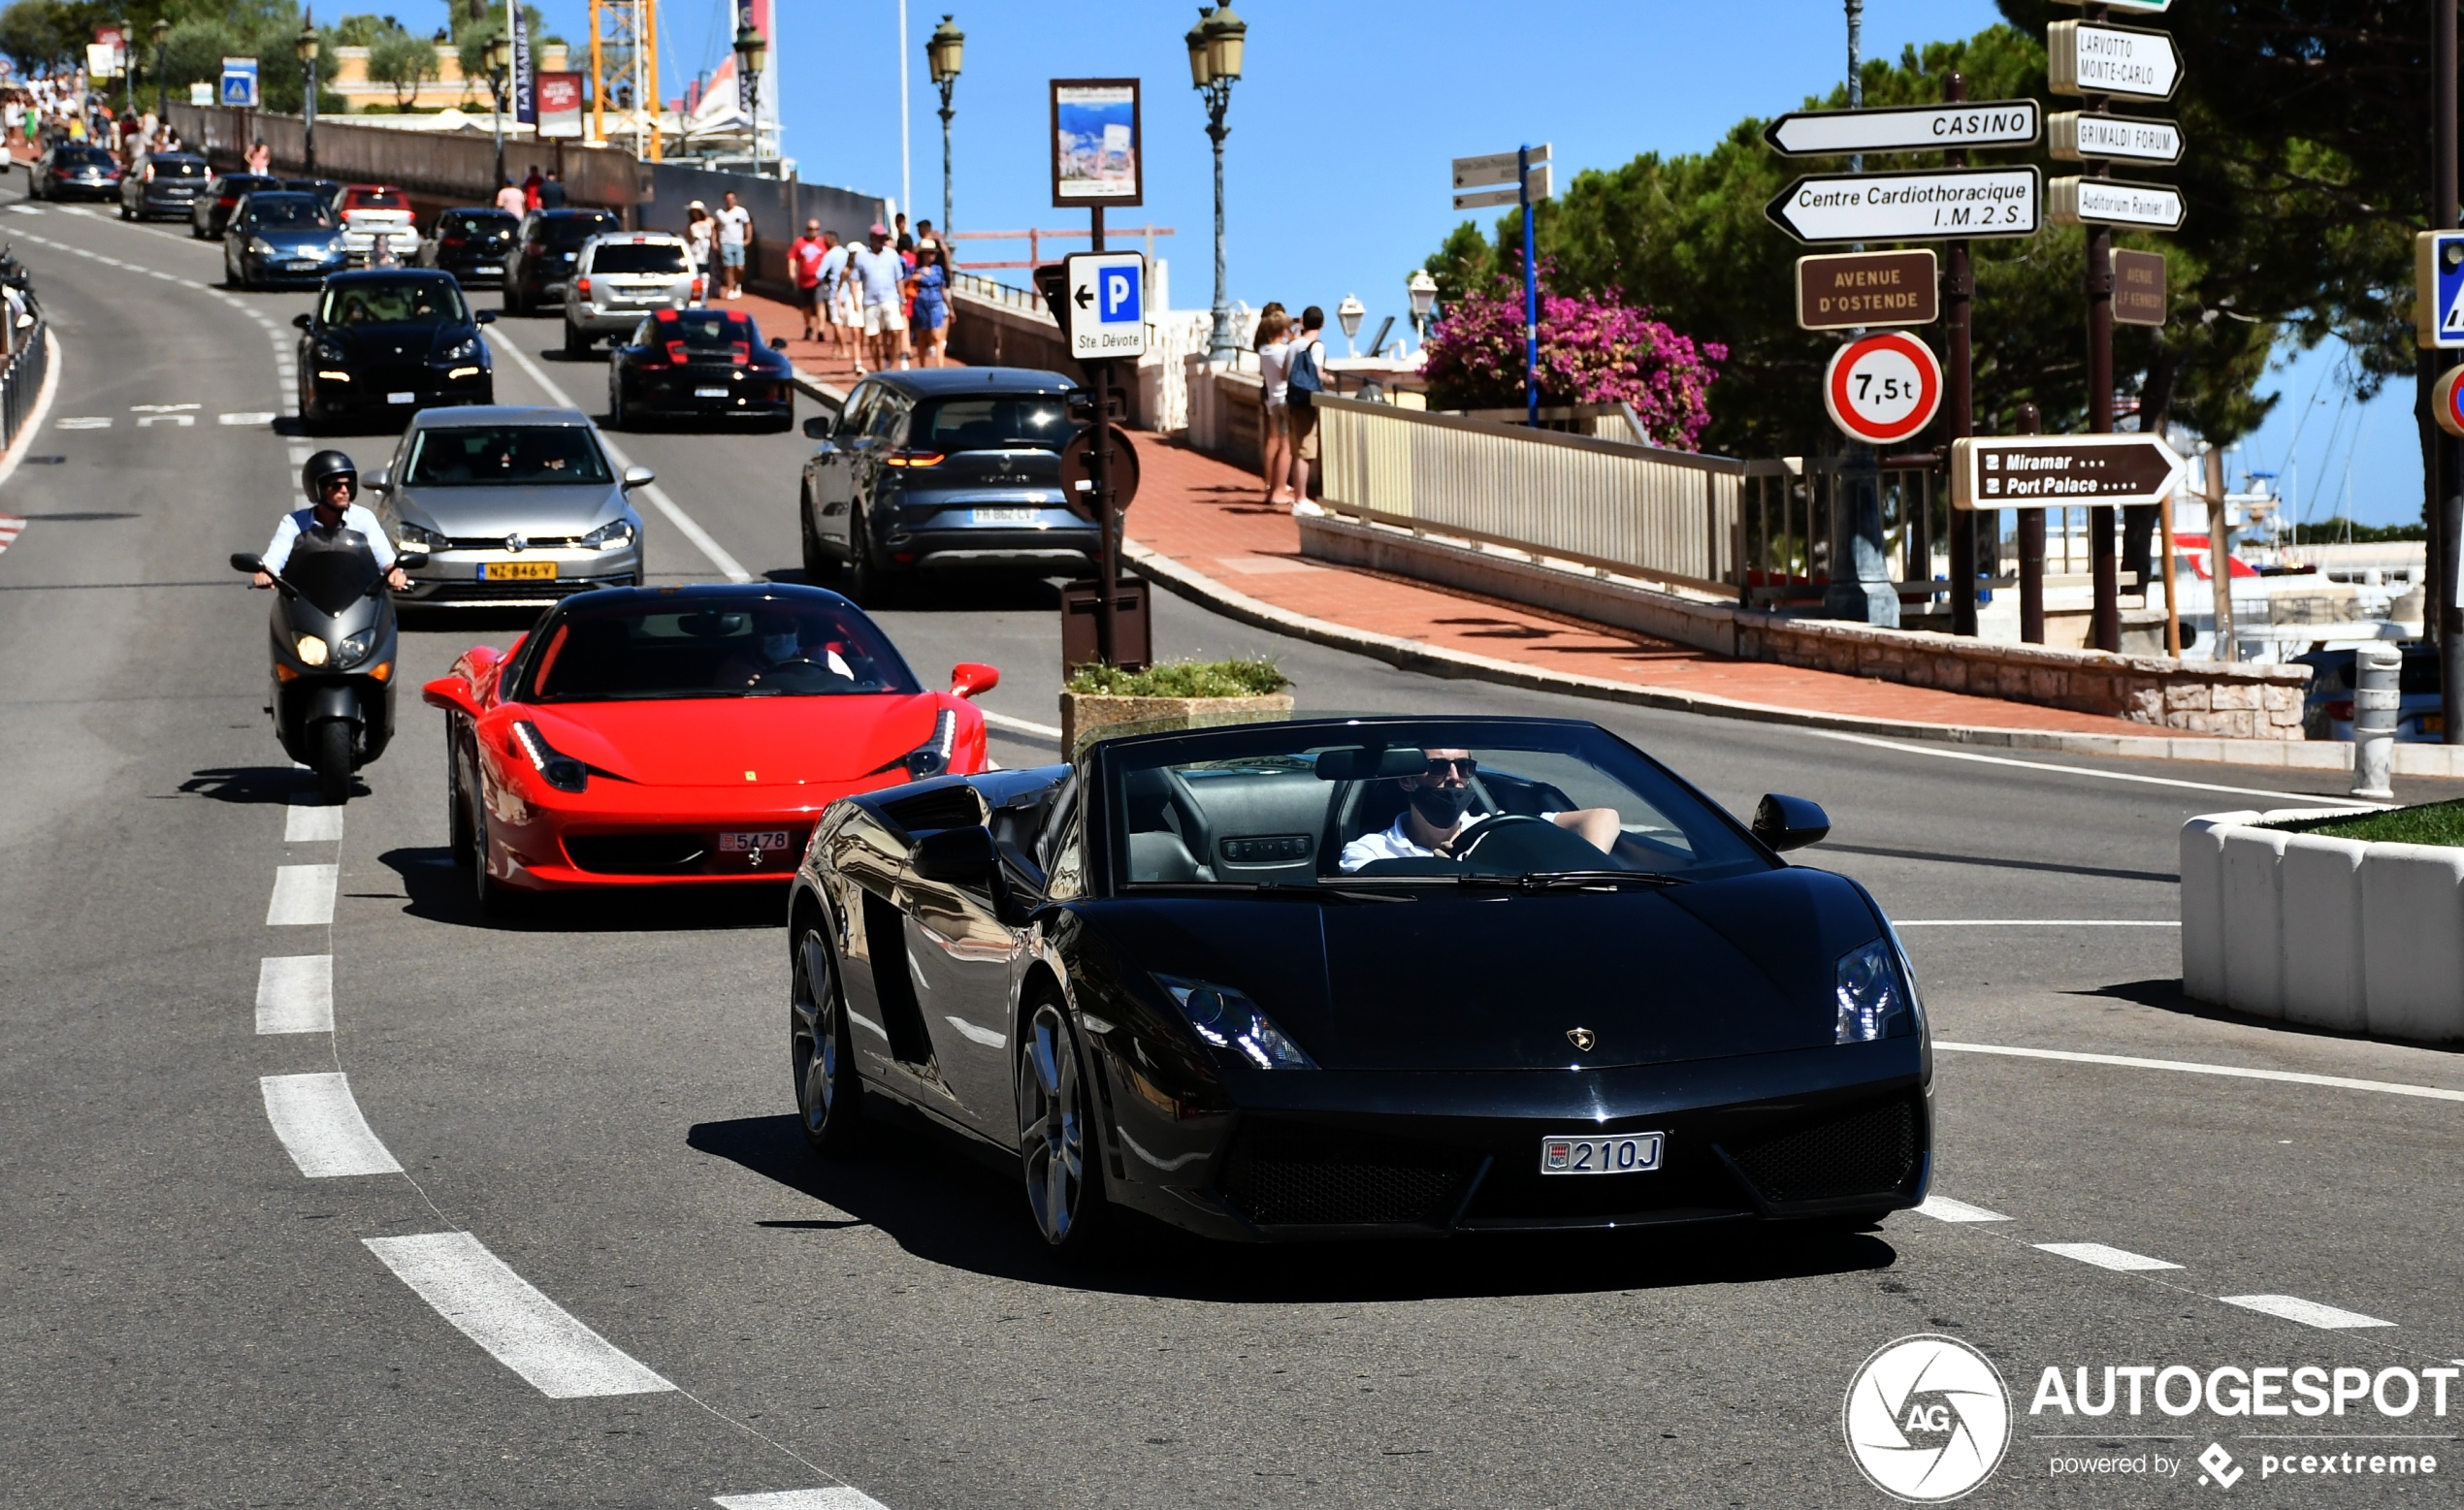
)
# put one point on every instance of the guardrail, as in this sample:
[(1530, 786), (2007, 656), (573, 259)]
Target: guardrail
[(1614, 505), (23, 381)]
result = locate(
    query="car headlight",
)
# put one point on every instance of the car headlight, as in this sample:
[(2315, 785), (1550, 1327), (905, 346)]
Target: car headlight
[(312, 651), (419, 537), (354, 650), (1874, 1001), (327, 351), (1230, 1021), (933, 756), (614, 533), (560, 771), (462, 351), (260, 246)]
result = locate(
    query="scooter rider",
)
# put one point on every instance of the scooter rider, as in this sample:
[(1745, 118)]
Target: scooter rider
[(331, 482)]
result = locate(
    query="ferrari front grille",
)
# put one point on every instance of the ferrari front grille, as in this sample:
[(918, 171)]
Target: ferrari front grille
[(1334, 1178), (1868, 1152), (638, 855)]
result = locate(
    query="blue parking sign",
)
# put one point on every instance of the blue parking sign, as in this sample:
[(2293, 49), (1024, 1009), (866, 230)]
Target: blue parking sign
[(1119, 298), (1105, 310)]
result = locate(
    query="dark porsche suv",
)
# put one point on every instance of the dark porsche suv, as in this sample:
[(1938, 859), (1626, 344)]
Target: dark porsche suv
[(947, 467), (540, 267)]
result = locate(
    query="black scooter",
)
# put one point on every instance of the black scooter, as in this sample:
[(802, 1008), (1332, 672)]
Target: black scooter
[(334, 643)]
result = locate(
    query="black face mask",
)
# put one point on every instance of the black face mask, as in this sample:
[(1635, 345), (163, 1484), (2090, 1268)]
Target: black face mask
[(1442, 807)]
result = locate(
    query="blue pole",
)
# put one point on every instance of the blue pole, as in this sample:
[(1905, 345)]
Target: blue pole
[(1531, 291)]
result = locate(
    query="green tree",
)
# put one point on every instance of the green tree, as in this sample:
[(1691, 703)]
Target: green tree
[(404, 61)]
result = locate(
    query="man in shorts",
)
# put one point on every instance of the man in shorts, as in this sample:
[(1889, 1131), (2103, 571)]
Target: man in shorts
[(804, 258), (878, 272), (838, 306), (1300, 417), (735, 244)]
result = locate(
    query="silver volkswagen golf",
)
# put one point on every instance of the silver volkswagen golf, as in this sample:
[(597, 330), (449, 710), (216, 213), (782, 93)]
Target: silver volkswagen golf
[(512, 506)]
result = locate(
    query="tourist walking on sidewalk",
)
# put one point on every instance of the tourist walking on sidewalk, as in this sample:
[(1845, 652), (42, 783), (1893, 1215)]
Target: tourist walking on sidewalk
[(1304, 382), (1275, 372), (509, 196), (845, 314), (700, 232), (932, 285), (552, 190), (261, 159), (735, 244), (878, 272), (531, 188), (804, 257)]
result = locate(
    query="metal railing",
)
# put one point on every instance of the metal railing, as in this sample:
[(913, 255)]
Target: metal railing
[(1786, 542), (23, 383), (1609, 505)]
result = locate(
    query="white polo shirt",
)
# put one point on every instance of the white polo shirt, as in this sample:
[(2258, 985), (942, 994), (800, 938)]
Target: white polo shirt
[(1393, 843)]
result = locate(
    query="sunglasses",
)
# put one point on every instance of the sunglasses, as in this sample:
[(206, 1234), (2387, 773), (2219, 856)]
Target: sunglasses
[(1464, 766)]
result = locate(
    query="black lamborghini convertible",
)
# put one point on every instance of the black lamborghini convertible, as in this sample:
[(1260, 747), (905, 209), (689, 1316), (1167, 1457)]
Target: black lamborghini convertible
[(1355, 977)]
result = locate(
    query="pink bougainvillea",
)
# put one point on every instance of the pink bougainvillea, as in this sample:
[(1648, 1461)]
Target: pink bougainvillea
[(1593, 349)]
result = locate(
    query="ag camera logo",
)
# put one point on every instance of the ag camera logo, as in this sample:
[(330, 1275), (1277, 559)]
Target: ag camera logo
[(1927, 1419)]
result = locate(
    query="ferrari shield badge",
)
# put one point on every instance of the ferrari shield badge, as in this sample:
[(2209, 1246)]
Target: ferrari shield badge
[(1581, 1038)]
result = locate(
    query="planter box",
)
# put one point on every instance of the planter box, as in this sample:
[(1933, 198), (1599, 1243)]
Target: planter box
[(1084, 714), (2329, 933)]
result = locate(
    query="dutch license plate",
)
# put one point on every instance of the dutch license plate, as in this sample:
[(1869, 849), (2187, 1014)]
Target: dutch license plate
[(301, 266), (517, 571), (1005, 516), (709, 393), (754, 843), (401, 398), (1627, 1153)]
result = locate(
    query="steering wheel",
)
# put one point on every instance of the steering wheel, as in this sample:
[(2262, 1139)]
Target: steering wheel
[(799, 660), (1479, 833)]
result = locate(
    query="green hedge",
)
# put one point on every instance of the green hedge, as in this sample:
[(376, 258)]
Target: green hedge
[(2435, 822), (1236, 678)]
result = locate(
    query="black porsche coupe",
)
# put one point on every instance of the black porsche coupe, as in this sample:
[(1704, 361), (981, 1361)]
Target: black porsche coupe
[(1380, 976)]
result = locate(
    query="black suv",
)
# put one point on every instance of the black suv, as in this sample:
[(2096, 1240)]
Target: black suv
[(952, 466), (471, 244), (165, 185), (210, 213), (73, 170), (542, 264)]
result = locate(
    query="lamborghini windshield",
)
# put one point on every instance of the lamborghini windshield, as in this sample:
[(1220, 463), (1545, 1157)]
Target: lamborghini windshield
[(676, 647), (1408, 802)]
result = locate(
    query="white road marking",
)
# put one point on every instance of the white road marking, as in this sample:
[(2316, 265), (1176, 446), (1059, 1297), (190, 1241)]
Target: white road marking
[(2104, 1257), (502, 1312), (2083, 770), (85, 421), (305, 825), (182, 421), (869, 1024), (295, 993), (2186, 1067), (2309, 1314), (1942, 1208), (685, 523), (161, 409), (975, 1035), (301, 453), (303, 895), (321, 1128), (840, 1497), (1016, 725), (2035, 923), (249, 417)]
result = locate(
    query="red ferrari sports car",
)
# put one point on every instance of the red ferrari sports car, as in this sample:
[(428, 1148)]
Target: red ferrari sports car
[(654, 735)]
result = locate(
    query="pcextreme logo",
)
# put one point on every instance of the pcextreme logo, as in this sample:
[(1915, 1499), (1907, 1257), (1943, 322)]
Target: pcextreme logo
[(1927, 1418)]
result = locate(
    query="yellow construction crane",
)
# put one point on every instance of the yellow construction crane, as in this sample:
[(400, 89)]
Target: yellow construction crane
[(625, 54)]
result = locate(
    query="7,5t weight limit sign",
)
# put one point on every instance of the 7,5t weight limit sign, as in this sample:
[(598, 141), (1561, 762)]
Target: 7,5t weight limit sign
[(1884, 388)]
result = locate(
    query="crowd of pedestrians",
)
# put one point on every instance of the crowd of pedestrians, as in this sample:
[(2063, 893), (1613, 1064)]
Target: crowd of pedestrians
[(1291, 364), (40, 113), (880, 304)]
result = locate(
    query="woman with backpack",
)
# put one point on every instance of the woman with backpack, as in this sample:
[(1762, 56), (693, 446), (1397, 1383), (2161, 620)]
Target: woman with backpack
[(1306, 380)]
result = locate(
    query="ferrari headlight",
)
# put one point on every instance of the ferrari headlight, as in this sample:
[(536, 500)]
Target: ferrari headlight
[(1230, 1021), (462, 351), (610, 536), (418, 537), (560, 771), (933, 756), (354, 650), (1873, 1001), (313, 652)]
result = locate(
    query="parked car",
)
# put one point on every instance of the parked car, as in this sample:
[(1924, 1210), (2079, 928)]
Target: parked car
[(210, 214), (163, 186), (282, 237), (540, 268), (947, 467), (620, 277), (2327, 711), (372, 214), (73, 170), (512, 506), (700, 363), (471, 244), (391, 341)]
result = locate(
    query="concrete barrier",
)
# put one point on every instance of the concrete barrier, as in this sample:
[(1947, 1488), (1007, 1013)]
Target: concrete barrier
[(2329, 933)]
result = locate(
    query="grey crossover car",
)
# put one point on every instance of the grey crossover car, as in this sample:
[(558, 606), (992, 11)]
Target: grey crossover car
[(512, 506)]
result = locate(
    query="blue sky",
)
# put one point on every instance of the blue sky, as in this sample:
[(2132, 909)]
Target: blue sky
[(1344, 125)]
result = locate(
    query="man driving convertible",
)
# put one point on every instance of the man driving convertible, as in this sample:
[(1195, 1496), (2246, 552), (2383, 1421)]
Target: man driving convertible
[(1439, 813)]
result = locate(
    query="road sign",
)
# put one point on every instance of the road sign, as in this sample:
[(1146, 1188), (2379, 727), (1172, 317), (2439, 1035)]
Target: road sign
[(1883, 389), (1544, 187), (1492, 168), (1945, 204), (1840, 293), (1107, 294), (2084, 57), (1077, 473), (2438, 289), (1922, 128), (2139, 288), (240, 83), (2059, 471), (2077, 136), (2149, 207), (2444, 401)]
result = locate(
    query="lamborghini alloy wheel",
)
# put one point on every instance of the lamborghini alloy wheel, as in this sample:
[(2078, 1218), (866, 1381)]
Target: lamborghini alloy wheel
[(1057, 1149)]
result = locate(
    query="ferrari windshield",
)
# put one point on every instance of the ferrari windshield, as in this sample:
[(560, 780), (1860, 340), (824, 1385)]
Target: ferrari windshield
[(504, 456), (734, 646), (1409, 803)]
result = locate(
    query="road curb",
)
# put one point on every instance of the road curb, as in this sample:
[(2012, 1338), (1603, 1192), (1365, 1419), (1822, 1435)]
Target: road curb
[(1437, 661), (42, 409)]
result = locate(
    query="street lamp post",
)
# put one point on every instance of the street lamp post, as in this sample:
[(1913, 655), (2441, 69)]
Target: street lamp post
[(306, 47), (499, 76), (1215, 45), (1348, 314), (1425, 302), (127, 72), (162, 70), (946, 50), (749, 50)]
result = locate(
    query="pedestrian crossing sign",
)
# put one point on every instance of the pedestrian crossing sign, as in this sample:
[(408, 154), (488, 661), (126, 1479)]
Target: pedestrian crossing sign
[(2438, 281)]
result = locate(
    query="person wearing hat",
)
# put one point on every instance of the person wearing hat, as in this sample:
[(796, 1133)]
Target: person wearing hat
[(879, 273), (700, 228)]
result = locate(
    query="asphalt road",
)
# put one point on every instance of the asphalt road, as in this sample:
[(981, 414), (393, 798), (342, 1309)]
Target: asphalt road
[(598, 1099)]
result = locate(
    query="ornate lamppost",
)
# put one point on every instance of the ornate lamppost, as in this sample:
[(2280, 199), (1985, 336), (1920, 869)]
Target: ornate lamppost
[(162, 68), (305, 45), (1215, 45), (944, 52), (1423, 290), (750, 49), (499, 78)]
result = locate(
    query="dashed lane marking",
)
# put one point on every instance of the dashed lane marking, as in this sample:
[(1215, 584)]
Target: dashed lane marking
[(321, 1127), (2188, 1067), (1905, 747), (302, 823), (521, 1328), (83, 422), (295, 993), (247, 417), (303, 896), (840, 1497), (2309, 1314), (1942, 1208), (2104, 1257)]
